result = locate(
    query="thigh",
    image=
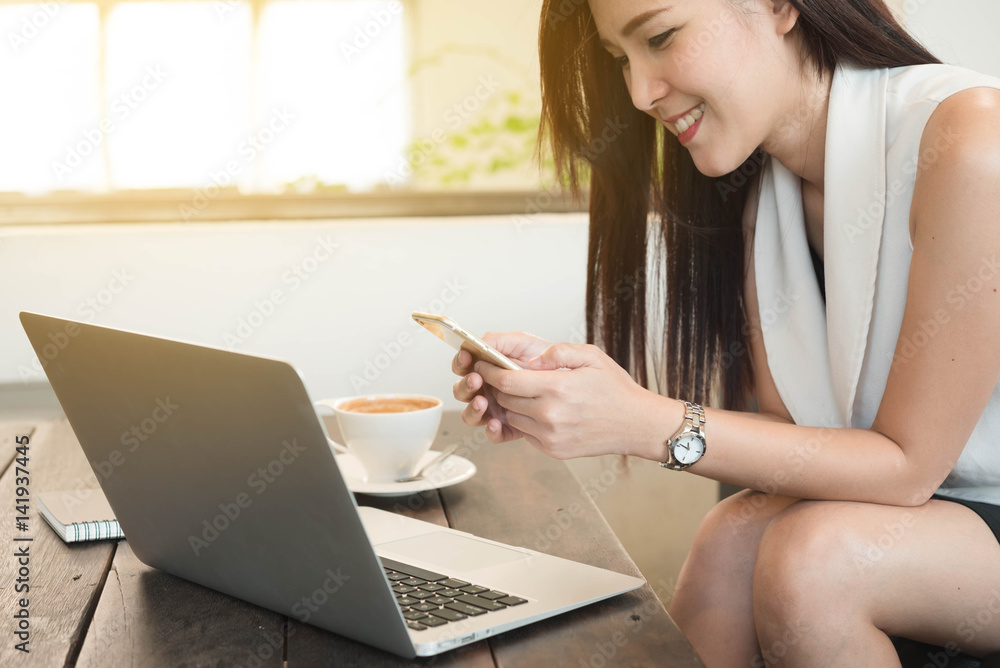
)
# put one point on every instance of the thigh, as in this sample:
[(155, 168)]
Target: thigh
[(930, 573)]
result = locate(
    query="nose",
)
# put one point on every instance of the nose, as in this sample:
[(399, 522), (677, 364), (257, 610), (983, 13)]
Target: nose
[(646, 85)]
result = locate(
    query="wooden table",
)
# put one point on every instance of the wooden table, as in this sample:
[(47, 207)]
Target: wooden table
[(96, 605)]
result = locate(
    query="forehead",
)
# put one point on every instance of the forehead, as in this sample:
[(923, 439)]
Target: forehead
[(616, 19)]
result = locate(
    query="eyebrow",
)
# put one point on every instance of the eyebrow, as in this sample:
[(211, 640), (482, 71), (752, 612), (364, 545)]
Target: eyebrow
[(637, 21)]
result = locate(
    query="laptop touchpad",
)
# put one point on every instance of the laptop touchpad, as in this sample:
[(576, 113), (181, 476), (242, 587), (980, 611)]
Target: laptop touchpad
[(452, 551)]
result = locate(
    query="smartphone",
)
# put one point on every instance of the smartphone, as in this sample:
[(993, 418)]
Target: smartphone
[(460, 338)]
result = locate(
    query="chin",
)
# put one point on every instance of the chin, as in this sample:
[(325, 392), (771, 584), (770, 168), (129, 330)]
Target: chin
[(713, 165)]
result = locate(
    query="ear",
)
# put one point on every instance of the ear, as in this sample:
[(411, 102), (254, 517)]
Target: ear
[(786, 16)]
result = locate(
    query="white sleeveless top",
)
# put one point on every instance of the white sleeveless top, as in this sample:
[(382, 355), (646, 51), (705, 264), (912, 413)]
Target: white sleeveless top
[(830, 364)]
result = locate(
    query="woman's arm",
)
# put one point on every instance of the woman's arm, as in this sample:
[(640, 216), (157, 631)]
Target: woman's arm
[(933, 397)]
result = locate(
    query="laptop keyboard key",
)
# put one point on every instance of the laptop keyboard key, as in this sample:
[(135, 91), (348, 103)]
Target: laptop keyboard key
[(479, 602), (431, 620), (414, 615), (450, 593), (413, 582), (424, 607), (511, 600), (420, 594), (403, 589), (438, 600), (453, 583), (417, 626), (492, 595), (404, 601), (473, 589), (465, 608), (445, 613), (393, 577), (433, 587)]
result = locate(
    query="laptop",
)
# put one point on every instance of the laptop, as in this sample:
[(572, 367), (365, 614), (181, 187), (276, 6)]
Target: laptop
[(219, 471)]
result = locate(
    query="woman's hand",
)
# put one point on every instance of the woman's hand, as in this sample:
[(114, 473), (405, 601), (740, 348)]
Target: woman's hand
[(575, 401), (483, 408)]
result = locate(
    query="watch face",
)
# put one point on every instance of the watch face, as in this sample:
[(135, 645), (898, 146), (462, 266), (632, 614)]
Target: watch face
[(689, 449)]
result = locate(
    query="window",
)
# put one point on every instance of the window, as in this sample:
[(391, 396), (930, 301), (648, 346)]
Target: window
[(205, 109)]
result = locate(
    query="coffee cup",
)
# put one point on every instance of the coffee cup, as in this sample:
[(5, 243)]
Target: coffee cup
[(387, 433)]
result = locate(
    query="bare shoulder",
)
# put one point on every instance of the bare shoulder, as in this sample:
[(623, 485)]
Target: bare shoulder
[(960, 147), (964, 129)]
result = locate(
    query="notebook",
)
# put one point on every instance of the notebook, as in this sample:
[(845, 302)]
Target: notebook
[(79, 515)]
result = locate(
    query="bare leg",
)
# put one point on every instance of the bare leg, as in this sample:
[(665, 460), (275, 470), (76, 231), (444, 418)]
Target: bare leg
[(713, 603), (834, 579)]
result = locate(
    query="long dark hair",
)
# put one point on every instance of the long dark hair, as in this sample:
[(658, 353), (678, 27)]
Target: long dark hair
[(649, 202)]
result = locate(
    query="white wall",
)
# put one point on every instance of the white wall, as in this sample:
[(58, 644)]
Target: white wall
[(339, 315), (959, 32)]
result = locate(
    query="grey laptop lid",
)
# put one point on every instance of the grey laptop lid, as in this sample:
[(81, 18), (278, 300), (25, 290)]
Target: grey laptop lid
[(195, 467)]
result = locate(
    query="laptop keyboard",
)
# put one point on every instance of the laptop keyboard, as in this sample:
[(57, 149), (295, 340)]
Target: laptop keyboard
[(430, 599)]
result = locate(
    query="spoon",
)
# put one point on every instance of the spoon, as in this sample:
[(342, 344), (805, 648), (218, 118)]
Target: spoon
[(419, 475)]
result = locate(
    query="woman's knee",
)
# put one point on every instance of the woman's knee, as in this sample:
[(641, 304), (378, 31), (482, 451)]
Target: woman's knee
[(733, 527), (803, 566)]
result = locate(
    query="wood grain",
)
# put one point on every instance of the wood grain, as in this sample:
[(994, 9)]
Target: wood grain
[(100, 606), (146, 617), (523, 497), (64, 579)]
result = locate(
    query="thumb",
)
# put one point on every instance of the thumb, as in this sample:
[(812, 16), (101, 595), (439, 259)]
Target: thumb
[(562, 356)]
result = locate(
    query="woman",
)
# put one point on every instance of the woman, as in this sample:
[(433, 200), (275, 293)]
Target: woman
[(730, 142)]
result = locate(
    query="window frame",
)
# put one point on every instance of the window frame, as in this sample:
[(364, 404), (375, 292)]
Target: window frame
[(213, 204)]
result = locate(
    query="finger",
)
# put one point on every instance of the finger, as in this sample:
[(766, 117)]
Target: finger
[(565, 356), (466, 388), (474, 414), (461, 363), (512, 382), (525, 424), (516, 344), (514, 403)]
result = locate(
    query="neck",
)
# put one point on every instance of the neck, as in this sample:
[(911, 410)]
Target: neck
[(799, 140)]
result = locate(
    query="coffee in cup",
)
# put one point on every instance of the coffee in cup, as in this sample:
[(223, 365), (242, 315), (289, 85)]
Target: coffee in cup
[(388, 433), (387, 404)]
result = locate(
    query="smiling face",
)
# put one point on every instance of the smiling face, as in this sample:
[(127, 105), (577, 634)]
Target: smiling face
[(718, 74)]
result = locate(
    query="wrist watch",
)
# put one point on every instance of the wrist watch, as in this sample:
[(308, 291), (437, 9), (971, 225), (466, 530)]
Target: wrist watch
[(687, 445)]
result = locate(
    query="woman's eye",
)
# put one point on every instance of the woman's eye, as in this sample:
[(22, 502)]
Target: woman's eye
[(658, 40)]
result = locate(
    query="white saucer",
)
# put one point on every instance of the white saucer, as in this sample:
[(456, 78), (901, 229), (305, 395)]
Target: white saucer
[(451, 471)]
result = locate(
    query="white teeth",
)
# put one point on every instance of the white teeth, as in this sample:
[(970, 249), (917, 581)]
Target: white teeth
[(685, 122)]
